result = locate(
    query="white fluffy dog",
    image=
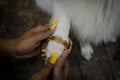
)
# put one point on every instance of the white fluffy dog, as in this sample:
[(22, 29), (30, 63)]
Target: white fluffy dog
[(93, 21)]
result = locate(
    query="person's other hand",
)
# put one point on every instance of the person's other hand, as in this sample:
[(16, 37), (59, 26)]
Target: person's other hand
[(28, 45), (61, 68), (58, 71)]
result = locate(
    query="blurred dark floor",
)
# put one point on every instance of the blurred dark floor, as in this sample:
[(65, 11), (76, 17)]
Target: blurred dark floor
[(17, 16)]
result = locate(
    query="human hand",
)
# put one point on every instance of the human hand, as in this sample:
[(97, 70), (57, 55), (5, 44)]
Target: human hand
[(59, 70), (28, 45)]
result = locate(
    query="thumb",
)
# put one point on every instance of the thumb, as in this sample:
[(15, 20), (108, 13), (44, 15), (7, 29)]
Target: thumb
[(44, 34), (44, 73), (46, 70)]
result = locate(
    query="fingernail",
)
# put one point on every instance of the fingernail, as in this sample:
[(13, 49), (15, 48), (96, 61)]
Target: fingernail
[(54, 25), (43, 55), (44, 58), (43, 50), (70, 48), (54, 58)]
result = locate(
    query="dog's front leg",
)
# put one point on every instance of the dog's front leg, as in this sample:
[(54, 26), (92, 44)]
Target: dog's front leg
[(62, 30)]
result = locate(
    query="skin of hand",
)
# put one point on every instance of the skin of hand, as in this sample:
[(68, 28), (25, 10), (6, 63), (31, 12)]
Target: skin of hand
[(28, 44), (59, 70)]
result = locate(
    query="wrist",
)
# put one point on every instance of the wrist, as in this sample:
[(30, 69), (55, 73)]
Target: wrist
[(7, 46), (12, 46)]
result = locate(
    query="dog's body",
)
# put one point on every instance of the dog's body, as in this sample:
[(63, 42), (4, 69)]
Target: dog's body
[(93, 21)]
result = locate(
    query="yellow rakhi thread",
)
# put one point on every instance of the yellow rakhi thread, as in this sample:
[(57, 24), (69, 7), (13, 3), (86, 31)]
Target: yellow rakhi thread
[(59, 40)]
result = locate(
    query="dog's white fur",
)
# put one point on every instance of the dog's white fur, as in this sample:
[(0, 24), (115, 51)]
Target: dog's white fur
[(93, 21)]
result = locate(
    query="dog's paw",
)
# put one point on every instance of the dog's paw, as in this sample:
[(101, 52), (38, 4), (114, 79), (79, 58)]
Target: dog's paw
[(87, 51), (54, 47)]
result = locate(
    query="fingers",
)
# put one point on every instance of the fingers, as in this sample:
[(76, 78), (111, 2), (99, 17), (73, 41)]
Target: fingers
[(28, 55), (43, 74), (59, 73), (46, 70), (62, 72), (43, 32), (58, 70), (66, 70), (44, 44), (36, 76), (62, 59), (39, 28), (43, 35)]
